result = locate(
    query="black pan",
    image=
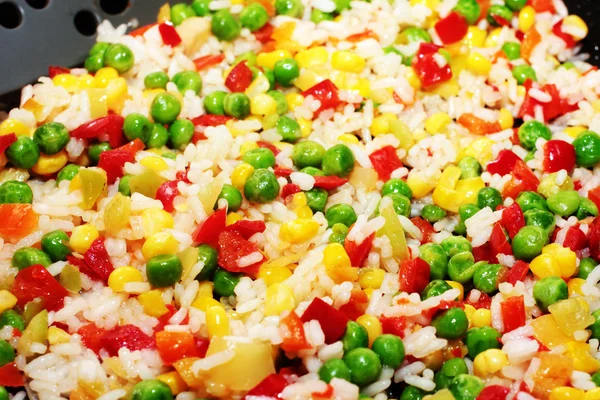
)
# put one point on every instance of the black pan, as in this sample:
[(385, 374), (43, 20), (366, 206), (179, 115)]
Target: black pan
[(589, 10)]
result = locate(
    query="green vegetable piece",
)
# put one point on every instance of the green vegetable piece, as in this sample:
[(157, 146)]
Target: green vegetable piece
[(225, 282), (28, 256), (95, 150), (236, 105), (489, 197), (119, 56), (94, 62), (224, 25), (364, 365), (317, 16), (499, 15), (400, 203), (12, 318), (259, 158), (282, 104), (485, 277), (308, 154), (432, 213), (164, 270), (180, 12), (201, 7), (543, 219), (456, 244), (338, 160), (481, 339), (397, 186), (340, 214), (151, 389), (68, 172), (462, 267), (586, 265), (564, 203), (354, 337), (208, 255), (261, 187), (513, 52), (288, 128), (159, 136), (434, 255), (595, 327), (24, 153), (165, 108), (124, 187), (451, 368), (334, 368), (587, 149), (435, 288), (412, 393), (528, 242), (51, 137), (214, 102), (470, 9), (7, 353), (156, 80), (470, 167), (181, 133), (523, 72), (451, 324), (12, 192), (316, 199), (466, 387), (55, 244), (531, 200), (137, 126), (587, 208), (531, 131), (188, 80), (286, 70), (233, 197), (390, 350), (549, 290), (338, 234), (412, 34), (292, 8), (515, 5)]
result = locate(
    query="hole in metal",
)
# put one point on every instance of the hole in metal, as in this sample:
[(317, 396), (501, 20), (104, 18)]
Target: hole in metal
[(86, 22), (11, 16), (37, 4), (114, 7)]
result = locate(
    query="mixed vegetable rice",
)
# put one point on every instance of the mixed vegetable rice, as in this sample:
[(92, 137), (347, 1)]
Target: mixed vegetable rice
[(308, 199)]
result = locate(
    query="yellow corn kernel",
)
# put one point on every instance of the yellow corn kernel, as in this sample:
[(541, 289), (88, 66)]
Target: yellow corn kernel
[(279, 298), (506, 119), (372, 325), (7, 300), (456, 285), (204, 303), (566, 393), (232, 218), (246, 146), (116, 94), (475, 37), (66, 81), (420, 183), (274, 274), (50, 164), (369, 292), (57, 336), (437, 123), (347, 61), (593, 394), (481, 149), (304, 212), (574, 286), (307, 79), (574, 131), (447, 89), (217, 321), (526, 18), (565, 258), (173, 379), (335, 256), (544, 265), (85, 82), (443, 394), (493, 38), (155, 220), (259, 85), (478, 64), (363, 86), (348, 138), (579, 352), (299, 230), (370, 278), (481, 317), (153, 304), (294, 100), (15, 126), (240, 175), (298, 200), (159, 243), (305, 127), (104, 76), (263, 104), (412, 78), (157, 164), (122, 275), (311, 57), (82, 237), (269, 59), (470, 310), (382, 124), (489, 362)]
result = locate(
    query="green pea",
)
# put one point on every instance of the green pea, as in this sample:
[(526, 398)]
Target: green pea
[(282, 104), (225, 282), (163, 270), (119, 56), (531, 131), (498, 14), (436, 257), (412, 393), (67, 173), (208, 255), (261, 187), (224, 25), (354, 337), (587, 208), (451, 324), (292, 8), (485, 277), (451, 368), (481, 339), (435, 288), (268, 73), (470, 167), (316, 199), (286, 70), (308, 154), (12, 318), (568, 65), (462, 267), (392, 49), (465, 211), (165, 108), (338, 160), (595, 327), (515, 5), (340, 214), (548, 291), (181, 133), (412, 34), (233, 197), (587, 149), (7, 353), (455, 244), (564, 203), (159, 136), (338, 233), (334, 368), (201, 7), (432, 213), (188, 80), (466, 387), (169, 155), (254, 17), (513, 52), (288, 128), (259, 158), (400, 203), (317, 16), (469, 9), (15, 192), (364, 365), (531, 200), (390, 350), (137, 126), (94, 62), (543, 219), (236, 105), (341, 5), (180, 12), (312, 171), (399, 186), (24, 153), (596, 378), (28, 256), (4, 395), (95, 150), (156, 80), (249, 57), (151, 389), (99, 47), (55, 244), (124, 188), (489, 197), (586, 266), (524, 72), (214, 102)]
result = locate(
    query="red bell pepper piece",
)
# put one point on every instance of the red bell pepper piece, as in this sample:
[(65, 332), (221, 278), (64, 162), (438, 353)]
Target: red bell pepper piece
[(326, 92), (518, 272), (356, 306), (425, 227), (513, 219), (393, 325), (266, 145), (55, 70), (173, 346), (504, 163), (523, 179), (484, 253), (36, 282), (558, 155), (105, 128), (239, 78), (329, 182), (499, 241), (201, 346), (568, 39), (231, 248), (494, 392), (208, 231), (324, 395), (541, 6), (452, 28), (169, 34), (513, 313), (294, 338), (17, 221), (166, 193), (477, 125), (282, 171), (11, 376), (91, 337), (414, 275), (210, 120), (141, 30), (552, 109), (270, 387), (427, 68), (333, 322), (385, 161), (247, 228), (575, 239), (290, 189), (530, 40), (484, 301), (358, 253), (113, 161), (264, 34), (359, 37), (128, 336), (593, 239), (97, 259), (594, 195), (208, 61), (133, 147), (6, 141)]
